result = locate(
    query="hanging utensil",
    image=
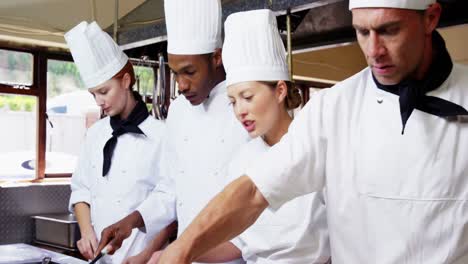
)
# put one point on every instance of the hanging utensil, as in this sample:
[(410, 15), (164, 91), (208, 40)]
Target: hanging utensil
[(155, 108), (162, 87), (173, 87)]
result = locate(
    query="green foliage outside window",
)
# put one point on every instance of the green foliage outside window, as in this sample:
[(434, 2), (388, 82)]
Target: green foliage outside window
[(17, 103)]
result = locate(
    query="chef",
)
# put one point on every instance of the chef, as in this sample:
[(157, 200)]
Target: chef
[(203, 133), (389, 143), (116, 169), (261, 95)]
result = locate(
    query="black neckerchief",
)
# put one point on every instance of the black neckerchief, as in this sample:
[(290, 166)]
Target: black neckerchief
[(120, 127), (413, 92)]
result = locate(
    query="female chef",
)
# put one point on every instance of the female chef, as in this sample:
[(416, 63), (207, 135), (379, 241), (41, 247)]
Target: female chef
[(119, 160)]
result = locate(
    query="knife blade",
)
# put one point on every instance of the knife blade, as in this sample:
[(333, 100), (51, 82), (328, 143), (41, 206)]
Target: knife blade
[(99, 256)]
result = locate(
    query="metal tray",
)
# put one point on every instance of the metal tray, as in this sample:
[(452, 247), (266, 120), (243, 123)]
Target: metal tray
[(60, 230)]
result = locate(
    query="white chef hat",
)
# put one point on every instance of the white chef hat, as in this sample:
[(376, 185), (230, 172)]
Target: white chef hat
[(253, 50), (193, 27), (96, 55), (403, 4)]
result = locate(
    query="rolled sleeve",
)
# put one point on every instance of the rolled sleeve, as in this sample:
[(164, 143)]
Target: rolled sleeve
[(238, 243), (295, 166), (158, 210), (79, 196)]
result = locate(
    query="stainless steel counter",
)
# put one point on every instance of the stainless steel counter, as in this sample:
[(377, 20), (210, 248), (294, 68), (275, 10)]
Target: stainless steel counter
[(23, 254)]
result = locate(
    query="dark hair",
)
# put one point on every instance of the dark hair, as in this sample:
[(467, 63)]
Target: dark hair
[(128, 68), (293, 97), (421, 12)]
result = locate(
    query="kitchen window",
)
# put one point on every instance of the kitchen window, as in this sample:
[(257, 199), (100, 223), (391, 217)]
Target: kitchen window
[(18, 136), (18, 116)]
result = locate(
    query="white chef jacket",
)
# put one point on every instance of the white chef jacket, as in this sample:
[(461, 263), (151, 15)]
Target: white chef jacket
[(391, 198), (295, 233), (200, 143), (131, 178)]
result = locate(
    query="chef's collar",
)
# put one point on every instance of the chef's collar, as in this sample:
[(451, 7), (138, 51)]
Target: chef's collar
[(412, 93), (217, 89), (220, 87)]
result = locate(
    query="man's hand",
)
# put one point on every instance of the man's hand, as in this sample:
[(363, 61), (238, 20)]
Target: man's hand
[(88, 243), (115, 234)]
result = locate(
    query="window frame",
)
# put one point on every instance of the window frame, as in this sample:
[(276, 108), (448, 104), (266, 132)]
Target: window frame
[(10, 89), (38, 88)]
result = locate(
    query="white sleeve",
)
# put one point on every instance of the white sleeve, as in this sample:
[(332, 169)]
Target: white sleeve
[(80, 182), (239, 244), (159, 209), (296, 165)]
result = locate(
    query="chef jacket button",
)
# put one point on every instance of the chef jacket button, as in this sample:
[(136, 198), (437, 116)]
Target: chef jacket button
[(379, 100), (118, 201), (216, 173), (124, 171), (180, 204), (222, 140), (185, 139)]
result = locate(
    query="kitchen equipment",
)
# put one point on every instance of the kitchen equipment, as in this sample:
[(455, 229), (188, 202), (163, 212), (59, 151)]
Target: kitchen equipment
[(57, 230), (173, 87), (159, 92), (155, 95), (27, 254), (162, 87)]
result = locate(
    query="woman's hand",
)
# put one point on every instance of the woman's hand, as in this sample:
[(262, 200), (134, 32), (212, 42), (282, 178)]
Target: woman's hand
[(88, 243)]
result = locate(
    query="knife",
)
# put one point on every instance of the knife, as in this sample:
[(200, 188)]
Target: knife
[(99, 256)]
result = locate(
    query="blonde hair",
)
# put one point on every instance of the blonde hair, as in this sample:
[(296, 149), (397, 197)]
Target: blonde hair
[(293, 97)]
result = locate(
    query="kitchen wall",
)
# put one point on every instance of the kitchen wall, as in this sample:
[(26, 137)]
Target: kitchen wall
[(19, 203)]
